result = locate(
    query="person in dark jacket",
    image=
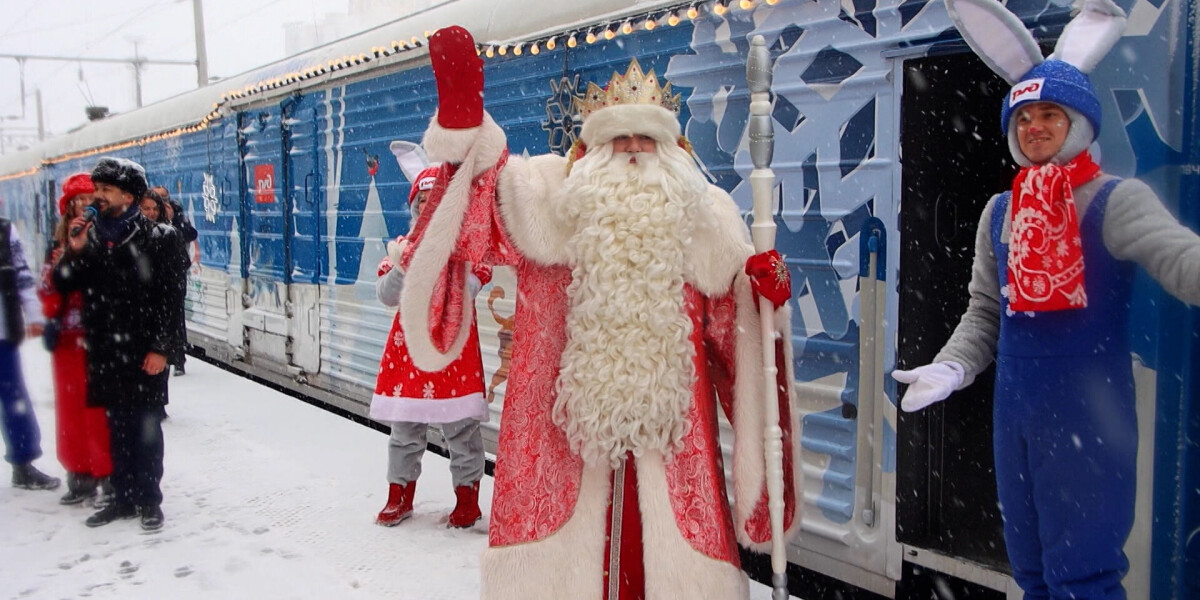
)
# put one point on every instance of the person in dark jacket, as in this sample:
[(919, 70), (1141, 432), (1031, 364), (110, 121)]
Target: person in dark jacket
[(175, 215), (127, 267), (20, 315)]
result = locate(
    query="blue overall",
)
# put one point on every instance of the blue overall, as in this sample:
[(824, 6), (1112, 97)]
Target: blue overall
[(1066, 428)]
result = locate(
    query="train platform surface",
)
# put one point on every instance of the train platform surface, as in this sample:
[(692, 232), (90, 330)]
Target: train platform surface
[(265, 497)]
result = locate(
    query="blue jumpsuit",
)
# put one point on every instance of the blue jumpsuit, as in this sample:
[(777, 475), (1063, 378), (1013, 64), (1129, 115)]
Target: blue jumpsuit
[(1065, 435)]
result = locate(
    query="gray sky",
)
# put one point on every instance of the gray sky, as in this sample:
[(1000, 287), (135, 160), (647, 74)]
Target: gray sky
[(240, 35)]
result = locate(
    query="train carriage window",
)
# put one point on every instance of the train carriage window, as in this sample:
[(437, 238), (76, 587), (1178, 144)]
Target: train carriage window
[(954, 158)]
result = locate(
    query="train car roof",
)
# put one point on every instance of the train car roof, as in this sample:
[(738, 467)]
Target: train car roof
[(498, 21)]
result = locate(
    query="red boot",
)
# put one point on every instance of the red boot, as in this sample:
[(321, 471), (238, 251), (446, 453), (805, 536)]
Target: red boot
[(399, 504), (466, 510)]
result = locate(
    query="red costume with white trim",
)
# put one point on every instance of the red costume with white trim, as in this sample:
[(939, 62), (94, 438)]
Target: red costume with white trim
[(405, 393), (578, 491)]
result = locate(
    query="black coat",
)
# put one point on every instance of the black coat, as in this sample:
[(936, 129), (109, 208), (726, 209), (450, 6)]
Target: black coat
[(129, 309)]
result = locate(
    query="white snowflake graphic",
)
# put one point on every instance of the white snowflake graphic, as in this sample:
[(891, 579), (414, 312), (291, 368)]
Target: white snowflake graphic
[(427, 393), (398, 390), (1061, 248), (1039, 286), (398, 337)]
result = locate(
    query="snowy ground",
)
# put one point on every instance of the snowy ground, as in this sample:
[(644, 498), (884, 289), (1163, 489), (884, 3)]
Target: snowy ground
[(266, 497)]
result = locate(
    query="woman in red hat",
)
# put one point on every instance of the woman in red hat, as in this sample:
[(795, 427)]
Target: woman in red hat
[(83, 441)]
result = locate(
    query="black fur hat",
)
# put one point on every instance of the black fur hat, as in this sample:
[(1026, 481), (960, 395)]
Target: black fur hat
[(121, 173)]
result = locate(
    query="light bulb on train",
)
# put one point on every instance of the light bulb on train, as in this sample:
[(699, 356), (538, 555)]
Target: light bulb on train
[(747, 4), (626, 28), (591, 37), (609, 34), (571, 43), (673, 20), (693, 12), (534, 49)]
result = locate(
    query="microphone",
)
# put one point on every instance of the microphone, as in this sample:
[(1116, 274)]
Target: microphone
[(89, 213)]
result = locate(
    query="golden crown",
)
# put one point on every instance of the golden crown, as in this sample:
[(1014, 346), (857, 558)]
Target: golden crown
[(634, 87)]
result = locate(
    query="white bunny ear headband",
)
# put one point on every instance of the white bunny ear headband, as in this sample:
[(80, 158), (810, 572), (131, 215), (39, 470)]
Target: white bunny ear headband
[(1009, 49), (411, 158)]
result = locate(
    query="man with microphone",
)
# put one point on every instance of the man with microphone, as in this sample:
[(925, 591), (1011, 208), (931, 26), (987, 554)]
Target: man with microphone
[(126, 267)]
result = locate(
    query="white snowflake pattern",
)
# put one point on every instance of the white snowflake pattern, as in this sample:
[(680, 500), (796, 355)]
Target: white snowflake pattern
[(1061, 248), (1047, 261), (398, 337), (398, 390), (1039, 286), (427, 393)]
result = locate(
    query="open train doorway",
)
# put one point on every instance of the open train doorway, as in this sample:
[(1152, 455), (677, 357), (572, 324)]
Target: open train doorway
[(954, 158)]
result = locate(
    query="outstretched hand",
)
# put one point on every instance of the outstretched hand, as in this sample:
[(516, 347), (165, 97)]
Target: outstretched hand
[(459, 74), (928, 384)]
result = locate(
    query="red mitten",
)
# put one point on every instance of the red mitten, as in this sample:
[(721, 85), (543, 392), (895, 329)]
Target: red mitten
[(459, 73), (769, 277)]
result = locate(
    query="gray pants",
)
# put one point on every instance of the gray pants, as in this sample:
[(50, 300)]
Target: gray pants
[(406, 445)]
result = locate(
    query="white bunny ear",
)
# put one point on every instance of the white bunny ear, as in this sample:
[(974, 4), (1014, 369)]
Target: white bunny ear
[(997, 36), (411, 157), (1090, 35)]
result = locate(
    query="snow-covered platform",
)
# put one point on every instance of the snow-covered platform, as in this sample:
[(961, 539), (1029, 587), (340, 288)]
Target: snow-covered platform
[(265, 497)]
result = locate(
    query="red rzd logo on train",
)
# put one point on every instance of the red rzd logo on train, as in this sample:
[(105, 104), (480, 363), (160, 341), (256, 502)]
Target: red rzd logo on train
[(264, 184)]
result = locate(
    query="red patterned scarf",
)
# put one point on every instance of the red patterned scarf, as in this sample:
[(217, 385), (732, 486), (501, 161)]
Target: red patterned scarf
[(1045, 254)]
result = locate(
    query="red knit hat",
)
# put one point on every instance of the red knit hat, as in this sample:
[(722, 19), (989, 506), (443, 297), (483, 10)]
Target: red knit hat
[(79, 183), (423, 182)]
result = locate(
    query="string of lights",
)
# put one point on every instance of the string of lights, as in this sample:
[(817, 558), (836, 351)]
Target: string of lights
[(647, 21)]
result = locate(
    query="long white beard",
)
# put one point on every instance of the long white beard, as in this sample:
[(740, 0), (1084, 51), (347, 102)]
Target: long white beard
[(627, 371)]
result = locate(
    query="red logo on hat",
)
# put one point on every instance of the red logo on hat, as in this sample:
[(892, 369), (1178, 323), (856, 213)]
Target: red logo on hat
[(1030, 89)]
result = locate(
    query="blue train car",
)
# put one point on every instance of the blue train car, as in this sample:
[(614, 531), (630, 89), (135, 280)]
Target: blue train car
[(887, 147)]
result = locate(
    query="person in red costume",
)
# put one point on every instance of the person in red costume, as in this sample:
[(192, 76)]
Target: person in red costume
[(82, 431), (410, 400), (635, 323)]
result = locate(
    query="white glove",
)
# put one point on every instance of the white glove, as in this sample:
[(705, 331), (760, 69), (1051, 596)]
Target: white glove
[(395, 251), (929, 384)]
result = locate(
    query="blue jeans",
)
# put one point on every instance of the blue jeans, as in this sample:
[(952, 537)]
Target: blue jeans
[(22, 438)]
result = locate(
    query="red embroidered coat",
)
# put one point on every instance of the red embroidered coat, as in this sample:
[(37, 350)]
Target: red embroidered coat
[(548, 517)]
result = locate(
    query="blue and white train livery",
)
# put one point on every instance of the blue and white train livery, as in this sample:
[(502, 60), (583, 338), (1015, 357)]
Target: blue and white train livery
[(887, 144)]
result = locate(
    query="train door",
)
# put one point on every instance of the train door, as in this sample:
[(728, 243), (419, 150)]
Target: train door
[(215, 289), (303, 189), (266, 235), (954, 159)]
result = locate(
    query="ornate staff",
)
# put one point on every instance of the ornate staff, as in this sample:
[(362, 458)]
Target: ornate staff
[(762, 183)]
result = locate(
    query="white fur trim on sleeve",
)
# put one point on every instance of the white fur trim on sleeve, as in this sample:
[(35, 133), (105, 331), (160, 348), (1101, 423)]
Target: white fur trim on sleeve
[(749, 461), (719, 247), (529, 193), (478, 149), (485, 143)]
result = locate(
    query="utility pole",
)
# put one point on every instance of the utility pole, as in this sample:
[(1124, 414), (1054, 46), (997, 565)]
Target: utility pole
[(41, 123), (137, 73), (201, 53)]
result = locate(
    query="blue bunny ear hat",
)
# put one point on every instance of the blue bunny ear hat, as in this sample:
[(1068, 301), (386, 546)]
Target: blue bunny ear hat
[(1009, 49)]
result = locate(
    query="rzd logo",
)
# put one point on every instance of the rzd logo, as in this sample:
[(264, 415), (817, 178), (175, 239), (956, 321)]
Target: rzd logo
[(264, 184), (1030, 89)]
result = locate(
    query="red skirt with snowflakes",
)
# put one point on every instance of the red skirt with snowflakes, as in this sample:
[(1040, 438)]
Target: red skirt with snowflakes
[(405, 393)]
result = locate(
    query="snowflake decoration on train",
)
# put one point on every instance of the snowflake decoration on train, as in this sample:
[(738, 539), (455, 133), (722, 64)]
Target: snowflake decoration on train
[(562, 114), (212, 204)]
